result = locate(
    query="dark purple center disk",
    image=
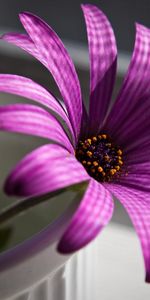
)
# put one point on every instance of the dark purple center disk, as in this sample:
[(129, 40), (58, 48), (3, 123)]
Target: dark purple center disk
[(101, 158)]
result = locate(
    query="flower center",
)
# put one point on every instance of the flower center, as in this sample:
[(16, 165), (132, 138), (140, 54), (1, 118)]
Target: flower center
[(101, 158)]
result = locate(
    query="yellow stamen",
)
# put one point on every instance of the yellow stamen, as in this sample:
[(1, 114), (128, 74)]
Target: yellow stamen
[(108, 145), (117, 168), (89, 153), (89, 163), (120, 162), (89, 141), (84, 162), (119, 158), (112, 171), (104, 136), (94, 138), (119, 152), (95, 163), (100, 169)]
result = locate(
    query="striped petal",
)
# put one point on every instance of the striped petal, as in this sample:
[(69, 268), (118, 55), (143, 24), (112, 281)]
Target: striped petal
[(31, 119), (45, 170), (138, 208), (94, 212), (26, 87), (138, 176), (59, 64), (135, 131), (103, 58), (129, 118), (24, 42), (139, 151)]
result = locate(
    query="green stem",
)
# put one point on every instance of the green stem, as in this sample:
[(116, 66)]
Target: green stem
[(23, 205)]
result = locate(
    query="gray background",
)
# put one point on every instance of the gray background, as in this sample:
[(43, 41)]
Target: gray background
[(66, 17)]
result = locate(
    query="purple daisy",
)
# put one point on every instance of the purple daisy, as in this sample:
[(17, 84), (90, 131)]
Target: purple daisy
[(109, 150)]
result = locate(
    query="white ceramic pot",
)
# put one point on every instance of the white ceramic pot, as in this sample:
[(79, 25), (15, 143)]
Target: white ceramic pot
[(109, 268), (34, 270)]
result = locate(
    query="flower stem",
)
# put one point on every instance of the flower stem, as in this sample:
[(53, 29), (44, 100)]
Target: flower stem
[(25, 204)]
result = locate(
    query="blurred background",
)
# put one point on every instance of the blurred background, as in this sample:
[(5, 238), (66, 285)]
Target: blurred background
[(66, 17), (67, 20)]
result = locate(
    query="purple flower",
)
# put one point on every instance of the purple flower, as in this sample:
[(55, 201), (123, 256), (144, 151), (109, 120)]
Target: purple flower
[(108, 150)]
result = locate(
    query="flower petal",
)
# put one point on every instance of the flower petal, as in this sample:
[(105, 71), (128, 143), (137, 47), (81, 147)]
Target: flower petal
[(24, 42), (44, 170), (94, 212), (59, 64), (135, 131), (138, 208), (26, 87), (138, 176), (129, 117), (139, 152), (31, 119), (103, 58)]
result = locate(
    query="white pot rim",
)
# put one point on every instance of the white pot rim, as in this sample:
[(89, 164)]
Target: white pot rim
[(30, 262), (38, 242)]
